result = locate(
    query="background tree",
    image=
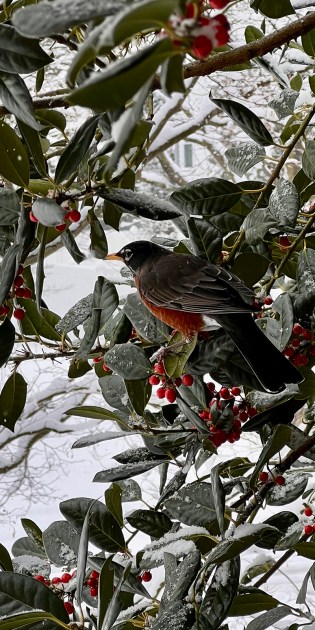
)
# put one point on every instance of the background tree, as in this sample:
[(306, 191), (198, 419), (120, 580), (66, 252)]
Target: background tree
[(144, 69)]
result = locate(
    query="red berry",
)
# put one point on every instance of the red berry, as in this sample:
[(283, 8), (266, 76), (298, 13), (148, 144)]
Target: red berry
[(235, 435), (218, 4), (66, 577), (94, 591), (106, 368), (39, 578), (19, 313), (201, 46), (170, 395), (295, 343), (297, 329), (236, 410), (27, 293), (188, 380), (92, 582), (146, 576), (20, 270), (60, 228), (97, 359), (191, 10), (160, 392), (268, 300), (280, 480), (73, 216), (252, 411), (222, 27), (204, 415), (32, 217), (95, 574), (284, 241), (18, 281), (312, 351), (308, 529), (225, 393), (47, 582), (307, 334), (158, 367), (154, 380), (69, 607), (243, 416), (211, 387), (4, 310), (178, 381), (263, 476), (235, 391), (288, 352), (300, 360), (236, 424), (308, 511), (56, 580)]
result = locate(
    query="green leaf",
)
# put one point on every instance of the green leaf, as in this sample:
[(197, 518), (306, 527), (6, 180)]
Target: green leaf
[(233, 547), (7, 338), (98, 413), (128, 361), (206, 196), (242, 157), (12, 400), (15, 165), (171, 75), (5, 559), (274, 445), (252, 33), (61, 541), (155, 524), (219, 496), (308, 159), (125, 472), (131, 490), (48, 212), (269, 618), (10, 206), (139, 392), (32, 140), (104, 303), (282, 521), (98, 240), (257, 224), (205, 239), (193, 504), (174, 362), (19, 55), (20, 593), (24, 620), (76, 150), (273, 8), (144, 204), (26, 547), (308, 43), (251, 603), (246, 120), (76, 315), (284, 104), (250, 267), (16, 98), (39, 324), (113, 496), (114, 86), (105, 532), (104, 436), (218, 598), (283, 306), (146, 324), (114, 392), (51, 118), (306, 549), (284, 203), (33, 531)]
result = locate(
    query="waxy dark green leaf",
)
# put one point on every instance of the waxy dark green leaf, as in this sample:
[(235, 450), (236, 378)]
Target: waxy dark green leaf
[(61, 541), (7, 337), (18, 54), (246, 120), (75, 150), (153, 523), (12, 400), (128, 361), (14, 164), (273, 8), (143, 204), (20, 593), (16, 98), (105, 532)]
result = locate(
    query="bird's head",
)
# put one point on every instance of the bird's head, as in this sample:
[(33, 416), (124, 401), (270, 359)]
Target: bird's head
[(136, 253)]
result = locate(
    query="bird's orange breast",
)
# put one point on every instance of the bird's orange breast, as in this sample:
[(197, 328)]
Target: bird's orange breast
[(186, 323)]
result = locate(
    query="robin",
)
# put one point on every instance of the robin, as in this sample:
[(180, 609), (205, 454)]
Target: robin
[(184, 292)]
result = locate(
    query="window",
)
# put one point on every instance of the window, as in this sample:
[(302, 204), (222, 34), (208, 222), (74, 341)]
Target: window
[(188, 155)]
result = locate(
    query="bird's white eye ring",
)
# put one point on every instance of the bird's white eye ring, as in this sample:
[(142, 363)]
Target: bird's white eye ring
[(127, 254)]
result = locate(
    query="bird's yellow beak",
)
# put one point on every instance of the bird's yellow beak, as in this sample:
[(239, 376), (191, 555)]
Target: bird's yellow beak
[(113, 257)]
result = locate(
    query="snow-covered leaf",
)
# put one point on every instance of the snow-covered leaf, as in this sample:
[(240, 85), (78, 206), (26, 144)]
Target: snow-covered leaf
[(76, 315), (221, 592), (48, 212), (131, 490), (193, 504), (284, 104), (242, 157), (177, 544), (26, 547), (295, 484), (244, 537), (128, 361), (96, 438), (125, 471), (284, 203), (269, 618), (147, 326), (143, 204), (282, 521), (61, 543)]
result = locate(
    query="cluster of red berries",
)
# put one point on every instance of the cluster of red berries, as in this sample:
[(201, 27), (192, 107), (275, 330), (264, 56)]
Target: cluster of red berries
[(265, 477), (146, 576), (168, 385), (227, 427), (56, 584), (301, 346), (197, 32), (309, 529), (73, 216), (100, 360), (19, 290)]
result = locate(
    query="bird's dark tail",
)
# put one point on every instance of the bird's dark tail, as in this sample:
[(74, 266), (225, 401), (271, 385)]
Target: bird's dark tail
[(271, 368)]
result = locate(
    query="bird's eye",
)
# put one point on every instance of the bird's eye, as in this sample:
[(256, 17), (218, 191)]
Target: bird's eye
[(127, 254)]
